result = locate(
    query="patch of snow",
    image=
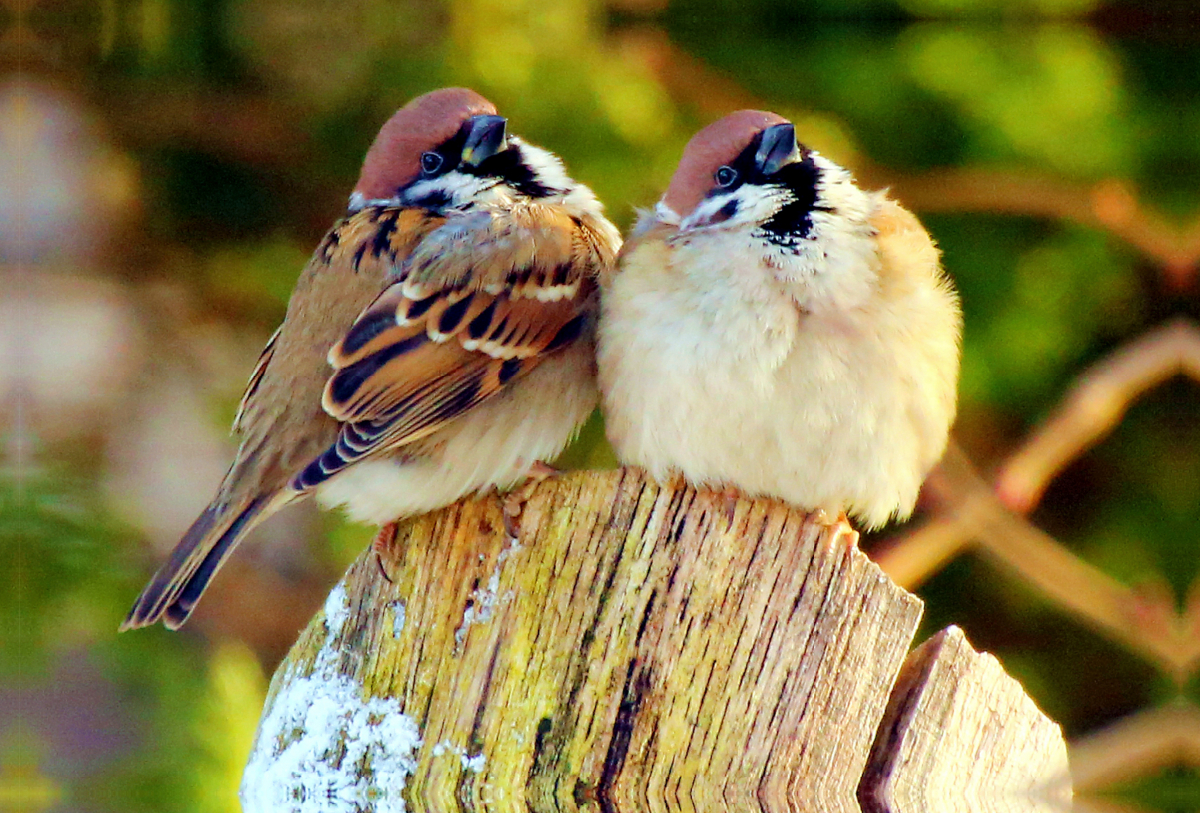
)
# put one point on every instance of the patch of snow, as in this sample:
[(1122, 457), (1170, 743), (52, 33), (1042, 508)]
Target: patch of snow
[(337, 608), (322, 748), (480, 608), (513, 547)]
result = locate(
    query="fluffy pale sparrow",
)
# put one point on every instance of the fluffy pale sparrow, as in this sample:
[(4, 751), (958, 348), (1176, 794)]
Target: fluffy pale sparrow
[(776, 330), (439, 342)]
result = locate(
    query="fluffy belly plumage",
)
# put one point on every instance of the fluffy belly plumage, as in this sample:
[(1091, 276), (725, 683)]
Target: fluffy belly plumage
[(781, 431)]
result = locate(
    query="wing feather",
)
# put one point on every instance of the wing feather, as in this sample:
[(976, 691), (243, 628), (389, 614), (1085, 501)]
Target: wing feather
[(478, 303), (260, 367), (519, 251)]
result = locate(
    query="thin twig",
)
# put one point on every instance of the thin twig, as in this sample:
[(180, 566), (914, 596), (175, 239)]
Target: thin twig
[(1138, 745), (1094, 406)]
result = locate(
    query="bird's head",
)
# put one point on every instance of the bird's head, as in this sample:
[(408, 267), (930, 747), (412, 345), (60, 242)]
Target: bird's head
[(448, 149), (746, 183)]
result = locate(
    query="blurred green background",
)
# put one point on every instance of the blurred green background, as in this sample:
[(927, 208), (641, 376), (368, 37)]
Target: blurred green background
[(168, 166)]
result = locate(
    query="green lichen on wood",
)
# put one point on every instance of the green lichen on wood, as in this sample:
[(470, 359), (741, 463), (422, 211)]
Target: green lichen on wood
[(638, 639)]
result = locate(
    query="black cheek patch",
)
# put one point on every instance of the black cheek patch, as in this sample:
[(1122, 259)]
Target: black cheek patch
[(794, 221), (509, 168), (434, 199)]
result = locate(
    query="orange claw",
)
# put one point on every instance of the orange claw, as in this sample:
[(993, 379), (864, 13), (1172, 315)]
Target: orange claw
[(381, 544)]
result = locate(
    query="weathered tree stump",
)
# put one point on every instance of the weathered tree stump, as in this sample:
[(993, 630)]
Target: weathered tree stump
[(640, 648)]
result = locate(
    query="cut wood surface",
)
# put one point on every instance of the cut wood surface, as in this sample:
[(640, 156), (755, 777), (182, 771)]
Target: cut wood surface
[(639, 648), (960, 735)]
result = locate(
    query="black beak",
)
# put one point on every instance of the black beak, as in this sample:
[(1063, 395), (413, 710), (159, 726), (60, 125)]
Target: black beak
[(777, 149), (485, 137)]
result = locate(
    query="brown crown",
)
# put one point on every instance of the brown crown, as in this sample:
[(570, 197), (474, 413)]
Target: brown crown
[(421, 125), (716, 145)]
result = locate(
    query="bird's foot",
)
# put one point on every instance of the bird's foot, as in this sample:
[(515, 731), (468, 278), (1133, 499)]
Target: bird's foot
[(381, 544), (729, 498), (827, 518), (848, 535), (676, 481), (514, 501)]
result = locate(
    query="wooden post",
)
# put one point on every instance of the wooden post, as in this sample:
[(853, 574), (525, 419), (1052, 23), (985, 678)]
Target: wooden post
[(640, 648), (961, 736)]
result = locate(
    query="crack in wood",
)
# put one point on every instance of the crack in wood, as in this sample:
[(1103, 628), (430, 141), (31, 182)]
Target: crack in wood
[(637, 683)]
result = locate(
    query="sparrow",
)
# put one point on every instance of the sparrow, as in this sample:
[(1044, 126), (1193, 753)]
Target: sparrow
[(773, 330), (439, 342)]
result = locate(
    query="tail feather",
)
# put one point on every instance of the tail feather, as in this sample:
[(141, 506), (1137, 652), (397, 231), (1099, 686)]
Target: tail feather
[(178, 584)]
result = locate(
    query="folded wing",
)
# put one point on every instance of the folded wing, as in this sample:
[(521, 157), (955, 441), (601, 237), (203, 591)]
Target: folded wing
[(477, 304)]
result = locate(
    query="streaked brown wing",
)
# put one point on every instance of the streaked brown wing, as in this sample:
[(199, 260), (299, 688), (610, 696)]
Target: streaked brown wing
[(422, 355), (533, 250), (279, 431)]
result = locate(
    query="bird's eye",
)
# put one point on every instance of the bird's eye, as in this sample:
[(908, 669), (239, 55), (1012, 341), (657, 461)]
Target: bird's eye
[(725, 177), (431, 162)]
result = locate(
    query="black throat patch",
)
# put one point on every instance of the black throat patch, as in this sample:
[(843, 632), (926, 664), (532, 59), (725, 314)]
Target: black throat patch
[(793, 222)]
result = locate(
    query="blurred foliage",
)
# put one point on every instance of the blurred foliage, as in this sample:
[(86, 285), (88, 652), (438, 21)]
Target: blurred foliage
[(246, 121), (62, 556), (194, 711), (1042, 296), (1051, 98), (1171, 791)]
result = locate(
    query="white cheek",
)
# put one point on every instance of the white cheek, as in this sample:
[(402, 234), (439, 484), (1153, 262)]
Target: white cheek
[(754, 206), (546, 166), (457, 187)]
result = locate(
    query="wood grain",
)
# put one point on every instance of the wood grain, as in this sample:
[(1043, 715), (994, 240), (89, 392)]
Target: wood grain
[(642, 648), (961, 735)]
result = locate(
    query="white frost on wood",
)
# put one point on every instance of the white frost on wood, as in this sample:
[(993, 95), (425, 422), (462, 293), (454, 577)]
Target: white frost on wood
[(398, 613), (485, 600), (322, 748), (337, 608), (475, 764)]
